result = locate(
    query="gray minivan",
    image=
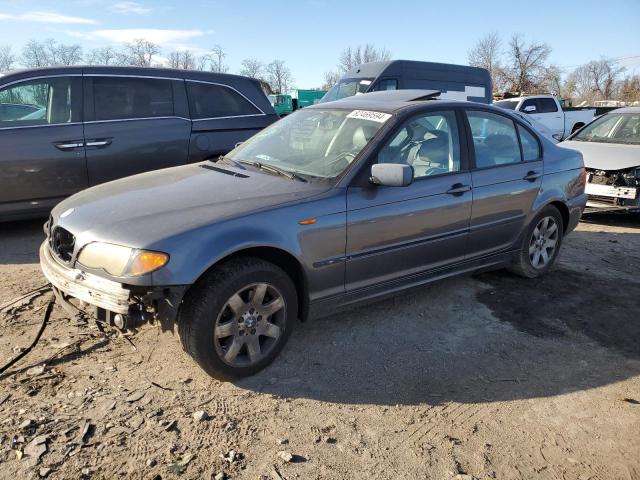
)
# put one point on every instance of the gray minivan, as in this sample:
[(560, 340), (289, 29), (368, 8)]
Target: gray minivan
[(65, 129), (455, 82)]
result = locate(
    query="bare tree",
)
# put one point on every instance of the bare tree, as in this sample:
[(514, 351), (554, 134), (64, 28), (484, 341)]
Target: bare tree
[(279, 76), (7, 58), (35, 54), (50, 53), (217, 57), (140, 52), (103, 56), (184, 59), (252, 67), (352, 57), (486, 54), (598, 79), (330, 79), (630, 89), (67, 54), (525, 65)]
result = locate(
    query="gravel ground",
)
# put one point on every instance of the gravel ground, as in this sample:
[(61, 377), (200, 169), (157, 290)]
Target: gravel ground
[(488, 376)]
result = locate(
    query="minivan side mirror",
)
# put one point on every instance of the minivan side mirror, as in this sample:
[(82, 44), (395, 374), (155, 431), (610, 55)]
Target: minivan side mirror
[(529, 109), (391, 174)]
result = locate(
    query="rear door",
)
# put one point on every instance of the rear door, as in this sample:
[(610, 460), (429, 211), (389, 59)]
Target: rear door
[(506, 178), (41, 143), (133, 125)]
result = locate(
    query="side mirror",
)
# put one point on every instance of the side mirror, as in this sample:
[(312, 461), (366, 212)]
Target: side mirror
[(529, 109), (391, 174)]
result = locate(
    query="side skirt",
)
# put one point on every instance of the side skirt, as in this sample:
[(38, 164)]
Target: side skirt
[(330, 305)]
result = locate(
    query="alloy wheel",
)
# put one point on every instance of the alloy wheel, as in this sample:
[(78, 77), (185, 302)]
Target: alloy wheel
[(543, 242), (249, 325)]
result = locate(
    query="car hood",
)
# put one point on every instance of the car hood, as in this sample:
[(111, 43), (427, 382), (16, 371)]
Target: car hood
[(606, 156), (144, 209)]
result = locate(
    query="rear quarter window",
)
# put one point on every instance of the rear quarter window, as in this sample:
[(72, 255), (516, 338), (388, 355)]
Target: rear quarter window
[(208, 100)]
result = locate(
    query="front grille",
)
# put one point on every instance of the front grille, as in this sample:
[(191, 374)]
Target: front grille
[(62, 242)]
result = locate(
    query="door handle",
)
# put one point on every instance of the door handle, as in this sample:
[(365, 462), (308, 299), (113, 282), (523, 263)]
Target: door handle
[(98, 142), (458, 189), (68, 145), (532, 176)]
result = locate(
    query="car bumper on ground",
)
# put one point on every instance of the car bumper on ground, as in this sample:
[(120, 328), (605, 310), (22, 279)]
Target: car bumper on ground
[(135, 305)]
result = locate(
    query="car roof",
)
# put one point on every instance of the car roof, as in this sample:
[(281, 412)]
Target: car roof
[(125, 70), (391, 101)]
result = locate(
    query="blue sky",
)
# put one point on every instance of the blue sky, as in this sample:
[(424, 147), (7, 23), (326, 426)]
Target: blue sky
[(310, 34)]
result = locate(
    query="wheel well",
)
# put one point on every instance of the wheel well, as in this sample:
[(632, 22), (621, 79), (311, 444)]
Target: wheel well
[(289, 264), (577, 126), (564, 211)]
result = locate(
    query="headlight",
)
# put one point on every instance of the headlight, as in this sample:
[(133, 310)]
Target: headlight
[(121, 261)]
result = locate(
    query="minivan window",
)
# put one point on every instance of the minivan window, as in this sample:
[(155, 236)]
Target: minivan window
[(494, 138), (46, 101), (121, 98), (208, 100)]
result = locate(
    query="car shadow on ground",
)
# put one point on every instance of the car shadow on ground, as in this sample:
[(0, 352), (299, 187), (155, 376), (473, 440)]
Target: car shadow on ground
[(20, 241), (487, 338)]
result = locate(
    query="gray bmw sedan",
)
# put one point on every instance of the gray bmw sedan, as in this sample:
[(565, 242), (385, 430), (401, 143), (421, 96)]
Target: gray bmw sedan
[(335, 204)]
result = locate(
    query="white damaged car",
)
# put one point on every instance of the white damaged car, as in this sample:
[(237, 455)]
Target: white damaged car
[(610, 146)]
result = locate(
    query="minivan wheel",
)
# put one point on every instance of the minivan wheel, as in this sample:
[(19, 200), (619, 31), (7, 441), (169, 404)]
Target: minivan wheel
[(540, 244), (235, 320)]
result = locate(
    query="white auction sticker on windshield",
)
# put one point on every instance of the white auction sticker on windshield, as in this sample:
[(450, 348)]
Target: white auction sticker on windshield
[(370, 115)]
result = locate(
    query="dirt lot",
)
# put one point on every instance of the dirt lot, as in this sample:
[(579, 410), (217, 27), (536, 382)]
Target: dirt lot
[(481, 377)]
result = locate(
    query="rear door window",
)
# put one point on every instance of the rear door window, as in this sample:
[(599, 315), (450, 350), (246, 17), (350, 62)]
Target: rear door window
[(122, 98), (46, 101), (547, 105), (495, 139), (207, 100)]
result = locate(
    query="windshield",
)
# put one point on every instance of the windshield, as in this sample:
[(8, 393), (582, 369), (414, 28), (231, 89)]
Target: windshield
[(507, 104), (347, 87), (612, 128), (312, 142)]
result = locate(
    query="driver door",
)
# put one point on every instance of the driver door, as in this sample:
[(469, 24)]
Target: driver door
[(397, 232)]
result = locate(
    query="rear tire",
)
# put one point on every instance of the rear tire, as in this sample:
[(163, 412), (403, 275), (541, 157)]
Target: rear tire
[(540, 244), (235, 320)]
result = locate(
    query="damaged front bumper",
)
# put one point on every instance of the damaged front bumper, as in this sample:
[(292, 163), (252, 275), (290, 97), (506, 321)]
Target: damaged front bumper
[(126, 306), (613, 190)]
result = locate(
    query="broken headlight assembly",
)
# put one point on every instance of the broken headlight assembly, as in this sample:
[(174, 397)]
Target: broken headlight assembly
[(121, 261)]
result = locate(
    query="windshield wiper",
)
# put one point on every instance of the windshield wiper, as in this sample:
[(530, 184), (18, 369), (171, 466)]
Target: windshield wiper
[(273, 169)]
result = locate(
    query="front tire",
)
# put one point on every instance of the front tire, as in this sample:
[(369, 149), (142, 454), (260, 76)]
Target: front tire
[(235, 320), (540, 244)]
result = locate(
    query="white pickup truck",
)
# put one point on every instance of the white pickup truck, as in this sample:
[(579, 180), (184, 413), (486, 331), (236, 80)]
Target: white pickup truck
[(546, 109)]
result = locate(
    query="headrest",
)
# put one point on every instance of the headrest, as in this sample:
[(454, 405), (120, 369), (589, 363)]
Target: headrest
[(362, 135)]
